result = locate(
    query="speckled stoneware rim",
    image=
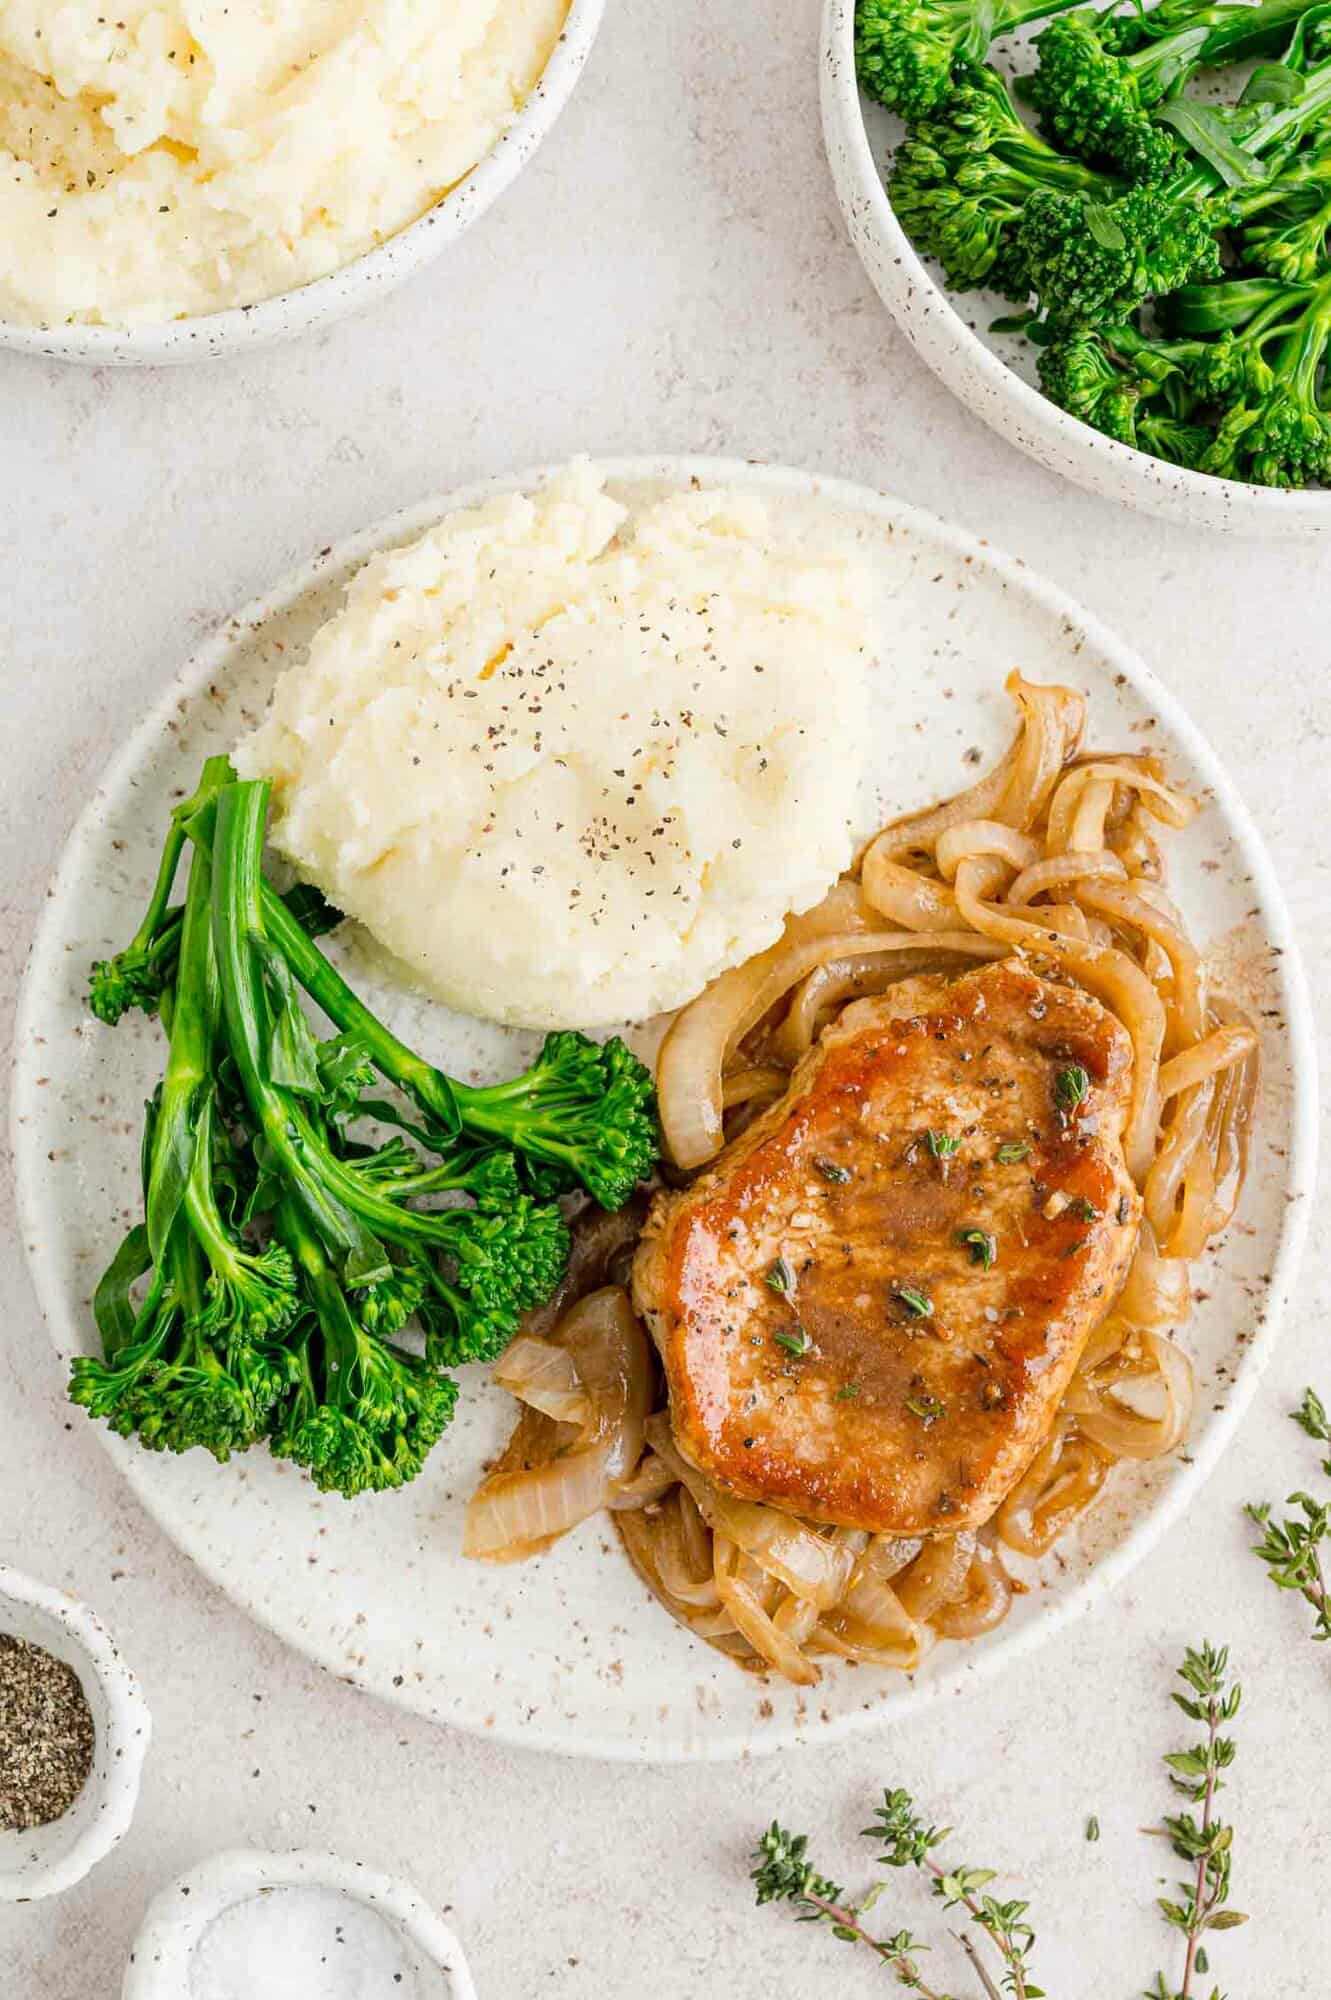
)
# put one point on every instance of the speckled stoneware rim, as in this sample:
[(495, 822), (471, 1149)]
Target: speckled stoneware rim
[(176, 1919), (357, 285), (970, 1666), (982, 379), (102, 1814)]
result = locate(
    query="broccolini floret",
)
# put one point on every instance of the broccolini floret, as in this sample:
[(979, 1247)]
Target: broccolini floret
[(1101, 74), (1237, 387), (1277, 429), (584, 1113), (963, 179), (907, 52), (364, 1413), (1089, 260), (167, 1383)]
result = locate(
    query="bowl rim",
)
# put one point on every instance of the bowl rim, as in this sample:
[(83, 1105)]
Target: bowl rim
[(352, 286), (928, 315), (779, 481), (128, 1729), (179, 1914)]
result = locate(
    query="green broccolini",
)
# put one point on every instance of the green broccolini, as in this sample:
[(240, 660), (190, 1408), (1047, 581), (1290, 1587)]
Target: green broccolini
[(907, 52), (1170, 254), (169, 1384), (146, 968), (287, 1249), (1088, 261), (1100, 75), (1240, 390), (518, 1255), (584, 1112), (1276, 428), (963, 179), (201, 1362), (364, 1413)]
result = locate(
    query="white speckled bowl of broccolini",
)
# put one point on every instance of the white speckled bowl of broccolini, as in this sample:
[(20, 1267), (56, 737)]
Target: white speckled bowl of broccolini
[(1129, 219)]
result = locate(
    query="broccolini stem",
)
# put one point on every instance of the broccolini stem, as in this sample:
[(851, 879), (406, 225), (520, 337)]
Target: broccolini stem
[(342, 1337), (238, 919), (216, 772), (1222, 34), (185, 1272), (1040, 165), (1313, 334), (345, 1210), (428, 1087), (1033, 10), (1293, 120), (1289, 123), (194, 1017), (1233, 302)]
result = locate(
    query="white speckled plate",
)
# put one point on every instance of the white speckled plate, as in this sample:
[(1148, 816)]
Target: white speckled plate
[(994, 373), (569, 1653)]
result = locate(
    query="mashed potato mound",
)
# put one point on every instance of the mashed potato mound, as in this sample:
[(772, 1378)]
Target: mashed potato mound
[(162, 158), (567, 766)]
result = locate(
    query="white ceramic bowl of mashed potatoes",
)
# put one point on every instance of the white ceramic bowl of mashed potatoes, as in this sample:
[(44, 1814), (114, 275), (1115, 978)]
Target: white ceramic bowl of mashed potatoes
[(180, 179)]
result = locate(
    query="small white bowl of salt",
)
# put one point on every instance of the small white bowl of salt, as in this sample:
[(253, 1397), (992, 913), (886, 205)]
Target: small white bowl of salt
[(302, 1926)]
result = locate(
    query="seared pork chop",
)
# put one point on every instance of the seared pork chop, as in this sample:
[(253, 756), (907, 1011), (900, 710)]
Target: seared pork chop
[(869, 1308)]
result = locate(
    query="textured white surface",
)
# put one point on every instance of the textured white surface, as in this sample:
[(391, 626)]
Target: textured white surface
[(670, 272)]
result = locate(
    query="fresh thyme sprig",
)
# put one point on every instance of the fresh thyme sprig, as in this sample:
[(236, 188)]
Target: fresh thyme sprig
[(1292, 1548), (1206, 1842), (908, 1842), (784, 1874), (1311, 1417), (1200, 1906)]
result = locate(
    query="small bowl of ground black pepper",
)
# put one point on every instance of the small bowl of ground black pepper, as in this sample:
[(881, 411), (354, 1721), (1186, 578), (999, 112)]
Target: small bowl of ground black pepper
[(73, 1731)]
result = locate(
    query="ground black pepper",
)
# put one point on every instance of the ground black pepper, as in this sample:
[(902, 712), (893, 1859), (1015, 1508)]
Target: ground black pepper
[(46, 1735)]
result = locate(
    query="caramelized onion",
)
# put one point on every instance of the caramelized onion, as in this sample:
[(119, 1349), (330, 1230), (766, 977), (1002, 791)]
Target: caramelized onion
[(811, 1565), (702, 1035), (1235, 1043), (513, 1515), (971, 838), (983, 1601), (1157, 1290), (752, 1621), (513, 1509), (545, 1376), (1061, 871), (1059, 1485), (690, 1071), (652, 1481), (863, 972), (1114, 1425), (936, 1576)]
